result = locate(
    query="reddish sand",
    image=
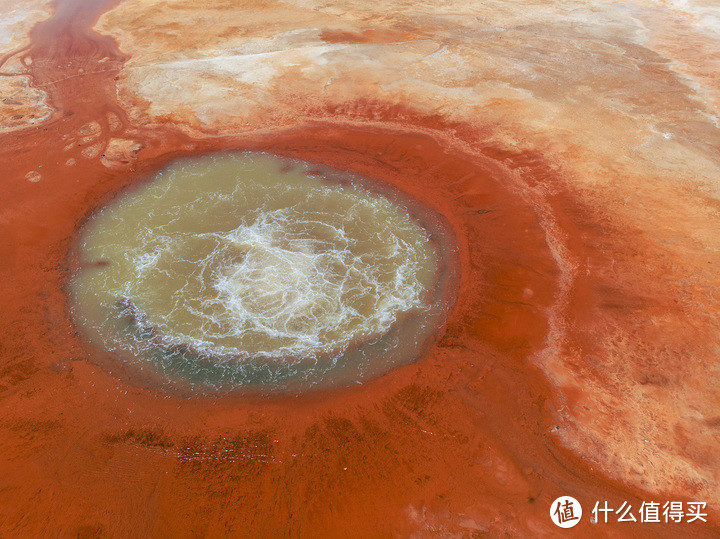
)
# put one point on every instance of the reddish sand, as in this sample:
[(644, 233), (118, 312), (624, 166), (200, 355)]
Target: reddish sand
[(462, 441)]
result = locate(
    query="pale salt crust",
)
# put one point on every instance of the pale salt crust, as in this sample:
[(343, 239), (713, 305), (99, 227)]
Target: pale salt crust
[(22, 105)]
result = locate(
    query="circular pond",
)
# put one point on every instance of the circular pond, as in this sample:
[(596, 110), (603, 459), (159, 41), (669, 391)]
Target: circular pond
[(253, 271)]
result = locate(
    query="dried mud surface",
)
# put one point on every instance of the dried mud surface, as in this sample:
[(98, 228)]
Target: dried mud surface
[(573, 148)]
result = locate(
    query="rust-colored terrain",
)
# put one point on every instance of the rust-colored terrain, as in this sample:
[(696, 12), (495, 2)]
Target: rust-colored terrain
[(574, 149)]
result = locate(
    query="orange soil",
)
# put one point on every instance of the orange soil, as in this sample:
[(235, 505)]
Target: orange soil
[(462, 441)]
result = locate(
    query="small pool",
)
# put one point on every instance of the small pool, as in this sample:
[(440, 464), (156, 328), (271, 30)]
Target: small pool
[(253, 271)]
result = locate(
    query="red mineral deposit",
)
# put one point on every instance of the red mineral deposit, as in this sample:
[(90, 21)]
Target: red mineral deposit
[(571, 149)]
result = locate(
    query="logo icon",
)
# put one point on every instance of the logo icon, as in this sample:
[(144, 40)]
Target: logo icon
[(566, 511)]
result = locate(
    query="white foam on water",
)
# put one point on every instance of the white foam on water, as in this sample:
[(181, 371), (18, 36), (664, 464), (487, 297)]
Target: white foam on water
[(236, 260)]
